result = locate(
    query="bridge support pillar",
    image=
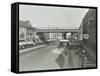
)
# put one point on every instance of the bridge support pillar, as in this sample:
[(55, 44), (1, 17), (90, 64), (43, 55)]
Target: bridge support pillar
[(64, 35)]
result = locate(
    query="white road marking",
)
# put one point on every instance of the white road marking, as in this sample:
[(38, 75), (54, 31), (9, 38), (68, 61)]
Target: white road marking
[(58, 51), (25, 50)]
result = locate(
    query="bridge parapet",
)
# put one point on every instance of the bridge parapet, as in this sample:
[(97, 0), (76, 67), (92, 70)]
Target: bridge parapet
[(56, 30)]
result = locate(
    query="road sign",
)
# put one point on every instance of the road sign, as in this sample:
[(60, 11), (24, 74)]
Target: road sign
[(86, 36)]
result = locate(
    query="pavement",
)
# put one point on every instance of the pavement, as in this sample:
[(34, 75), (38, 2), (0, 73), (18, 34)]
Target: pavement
[(71, 60), (90, 52), (32, 48)]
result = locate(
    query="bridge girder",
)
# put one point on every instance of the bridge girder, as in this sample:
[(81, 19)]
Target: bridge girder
[(56, 30)]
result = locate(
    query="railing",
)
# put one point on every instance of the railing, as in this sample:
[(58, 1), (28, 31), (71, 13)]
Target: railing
[(56, 30), (56, 27)]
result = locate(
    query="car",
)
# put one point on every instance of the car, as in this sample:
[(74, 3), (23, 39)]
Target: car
[(63, 42), (22, 45)]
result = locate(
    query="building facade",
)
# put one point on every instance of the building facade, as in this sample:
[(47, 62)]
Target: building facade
[(89, 28), (88, 42), (25, 31), (26, 34)]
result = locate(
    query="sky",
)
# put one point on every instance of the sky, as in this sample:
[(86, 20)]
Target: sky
[(48, 16)]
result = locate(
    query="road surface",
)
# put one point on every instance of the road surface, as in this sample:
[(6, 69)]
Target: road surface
[(49, 57)]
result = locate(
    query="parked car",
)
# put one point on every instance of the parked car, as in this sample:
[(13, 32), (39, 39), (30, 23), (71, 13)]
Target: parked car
[(22, 45)]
